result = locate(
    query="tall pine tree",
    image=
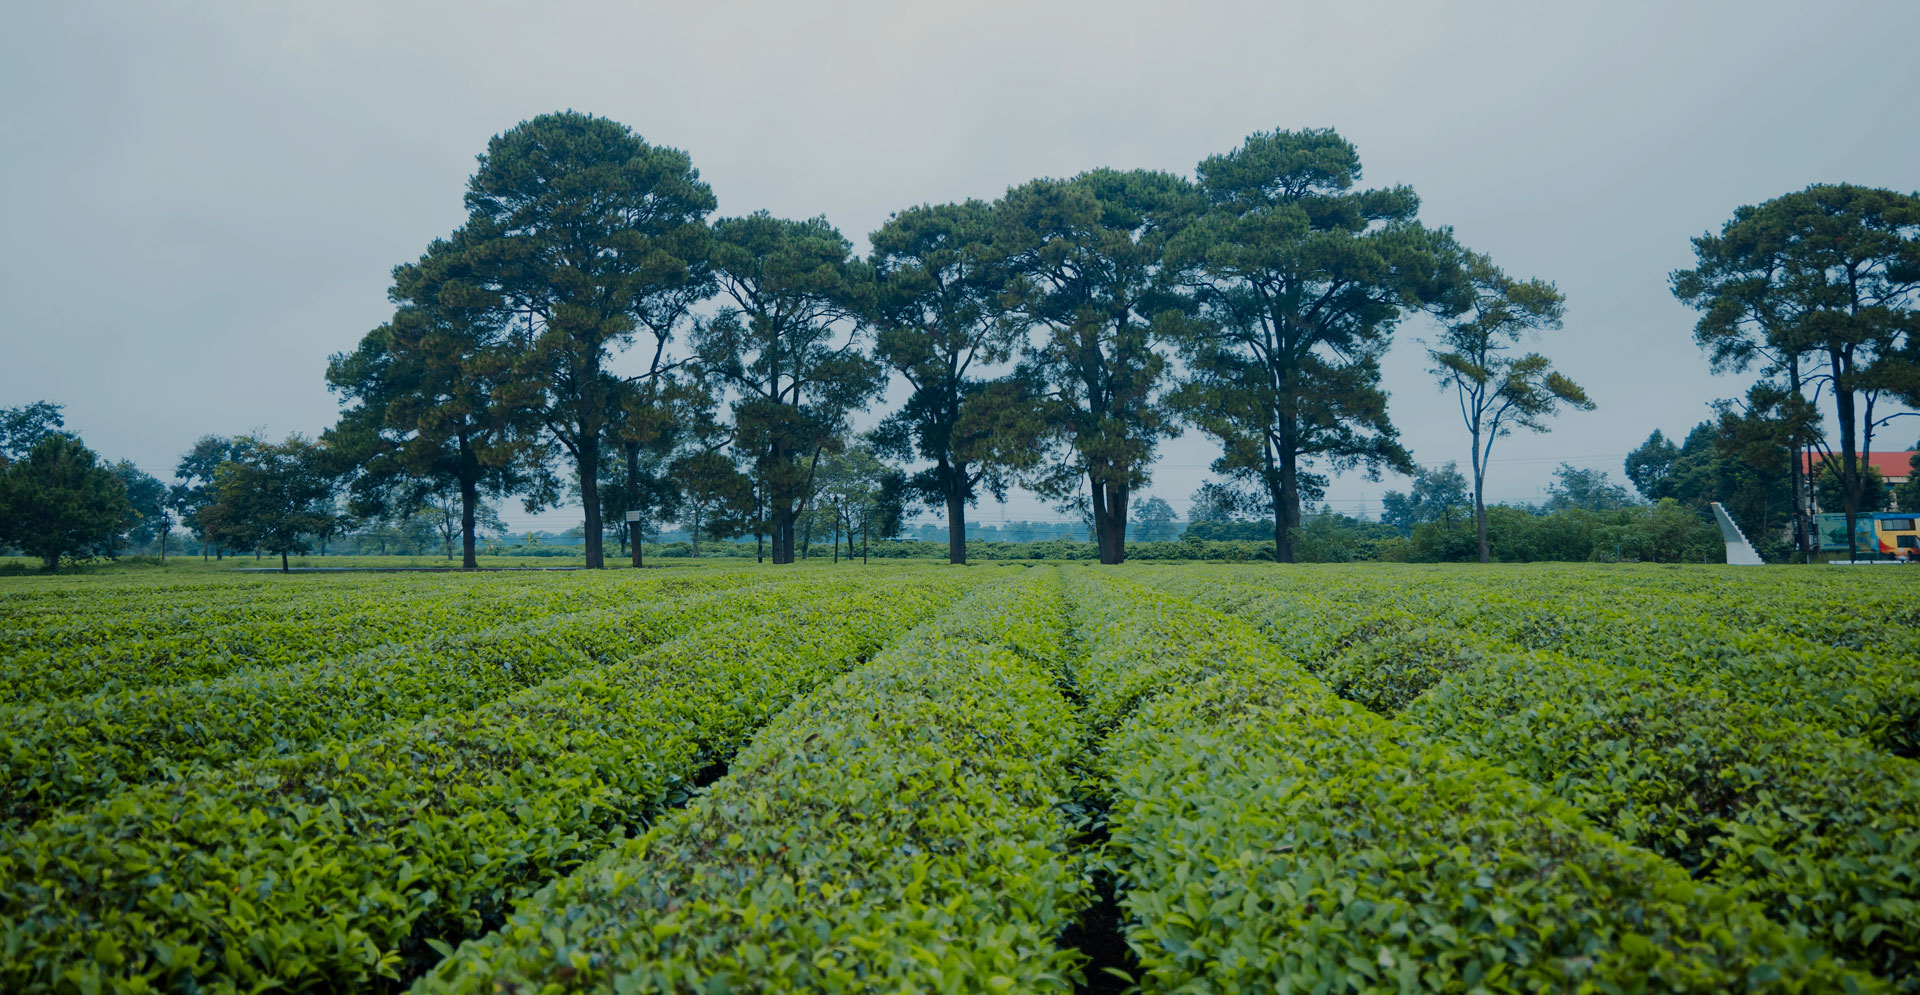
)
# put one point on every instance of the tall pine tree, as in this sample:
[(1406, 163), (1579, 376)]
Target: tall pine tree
[(579, 228)]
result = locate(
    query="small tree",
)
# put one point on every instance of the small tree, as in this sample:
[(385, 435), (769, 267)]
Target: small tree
[(147, 517), (277, 498), (1830, 488), (57, 501), (940, 279), (580, 230), (1497, 390), (1588, 490), (196, 472), (1906, 497), (1215, 501), (717, 499), (1434, 493), (1086, 261), (1156, 521), (440, 408), (1301, 279), (785, 342)]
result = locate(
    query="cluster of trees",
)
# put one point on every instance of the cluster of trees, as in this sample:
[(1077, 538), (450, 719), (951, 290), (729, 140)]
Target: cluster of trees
[(60, 501), (1586, 517), (592, 332), (1051, 338), (1816, 290)]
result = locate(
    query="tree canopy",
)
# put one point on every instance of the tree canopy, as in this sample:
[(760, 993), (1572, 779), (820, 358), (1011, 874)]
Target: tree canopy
[(1821, 286), (581, 231), (1088, 255), (1300, 280), (785, 341), (58, 502)]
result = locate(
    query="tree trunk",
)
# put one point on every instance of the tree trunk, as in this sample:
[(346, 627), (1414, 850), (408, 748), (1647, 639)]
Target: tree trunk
[(836, 538), (590, 500), (1110, 522), (469, 511), (1286, 512), (1802, 521), (1849, 468), (782, 535), (956, 528), (1479, 501), (283, 561)]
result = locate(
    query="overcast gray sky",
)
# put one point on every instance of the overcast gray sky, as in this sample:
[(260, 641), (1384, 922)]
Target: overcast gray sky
[(202, 201)]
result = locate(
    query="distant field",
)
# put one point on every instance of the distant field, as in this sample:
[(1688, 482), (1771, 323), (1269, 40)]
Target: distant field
[(912, 777)]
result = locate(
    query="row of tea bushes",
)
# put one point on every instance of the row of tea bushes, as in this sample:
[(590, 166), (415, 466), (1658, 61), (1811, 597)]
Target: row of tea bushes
[(1871, 695), (112, 613), (338, 868), (76, 752), (300, 632), (900, 830), (1818, 829), (1268, 835)]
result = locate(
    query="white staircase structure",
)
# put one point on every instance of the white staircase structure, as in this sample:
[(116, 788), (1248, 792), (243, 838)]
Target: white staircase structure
[(1740, 552)]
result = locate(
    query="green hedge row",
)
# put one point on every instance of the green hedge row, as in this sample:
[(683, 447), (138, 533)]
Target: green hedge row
[(1818, 829), (339, 868), (1868, 694), (1822, 832), (1269, 836), (124, 614), (900, 830), (327, 625), (70, 753), (1871, 694), (108, 601)]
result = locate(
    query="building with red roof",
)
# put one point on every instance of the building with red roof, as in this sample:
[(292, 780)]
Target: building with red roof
[(1896, 467)]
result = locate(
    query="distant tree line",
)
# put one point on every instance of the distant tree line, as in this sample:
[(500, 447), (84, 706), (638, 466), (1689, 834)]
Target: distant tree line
[(1817, 291), (591, 332), (59, 501)]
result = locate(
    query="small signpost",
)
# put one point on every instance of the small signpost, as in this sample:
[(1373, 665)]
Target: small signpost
[(633, 516)]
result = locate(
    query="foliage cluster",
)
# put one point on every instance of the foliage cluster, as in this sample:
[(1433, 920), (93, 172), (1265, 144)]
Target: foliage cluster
[(1267, 835), (366, 859), (1722, 766), (1398, 775), (79, 750), (898, 829)]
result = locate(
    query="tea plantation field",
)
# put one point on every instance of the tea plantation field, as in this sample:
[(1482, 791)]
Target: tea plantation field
[(906, 778)]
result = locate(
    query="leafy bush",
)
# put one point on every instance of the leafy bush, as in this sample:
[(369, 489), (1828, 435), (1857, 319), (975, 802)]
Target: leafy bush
[(1271, 837), (897, 831), (335, 868), (76, 752), (1819, 830), (1667, 532), (63, 664)]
